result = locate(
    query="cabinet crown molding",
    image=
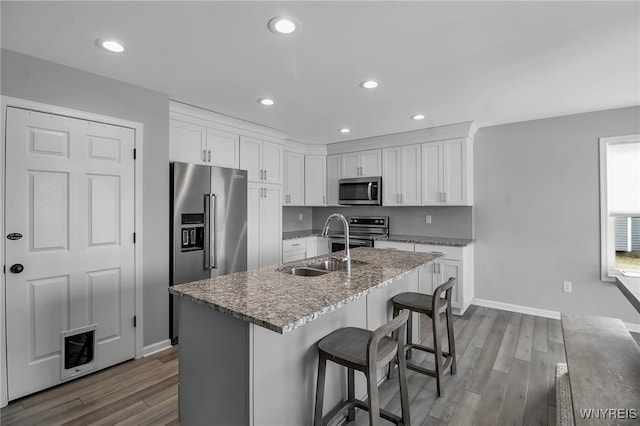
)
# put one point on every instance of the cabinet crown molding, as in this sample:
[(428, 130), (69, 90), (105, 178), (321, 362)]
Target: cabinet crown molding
[(452, 131), (185, 112)]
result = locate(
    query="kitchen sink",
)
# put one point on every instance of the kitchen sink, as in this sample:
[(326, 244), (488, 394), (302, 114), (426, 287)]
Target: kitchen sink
[(318, 267)]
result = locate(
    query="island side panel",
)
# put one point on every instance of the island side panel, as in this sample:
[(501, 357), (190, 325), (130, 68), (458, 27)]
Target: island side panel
[(285, 369), (214, 367)]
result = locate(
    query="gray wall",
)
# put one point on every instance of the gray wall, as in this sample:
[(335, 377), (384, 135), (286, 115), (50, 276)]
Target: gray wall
[(291, 221), (453, 222), (37, 80), (537, 210)]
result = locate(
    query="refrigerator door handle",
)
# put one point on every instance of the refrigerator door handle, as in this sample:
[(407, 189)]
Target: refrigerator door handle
[(210, 257)]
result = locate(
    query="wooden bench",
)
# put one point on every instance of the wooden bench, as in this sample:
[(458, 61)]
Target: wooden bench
[(603, 363)]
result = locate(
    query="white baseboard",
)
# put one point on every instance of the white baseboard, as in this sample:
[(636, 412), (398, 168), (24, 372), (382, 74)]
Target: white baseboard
[(516, 308), (156, 347), (533, 311)]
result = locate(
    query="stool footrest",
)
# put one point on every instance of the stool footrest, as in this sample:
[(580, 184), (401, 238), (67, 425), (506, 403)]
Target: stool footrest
[(345, 405)]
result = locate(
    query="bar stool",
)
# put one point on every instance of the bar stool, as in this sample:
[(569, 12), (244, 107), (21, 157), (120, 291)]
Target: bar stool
[(431, 306), (366, 351)]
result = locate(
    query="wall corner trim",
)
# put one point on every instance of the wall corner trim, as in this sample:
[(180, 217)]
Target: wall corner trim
[(154, 348)]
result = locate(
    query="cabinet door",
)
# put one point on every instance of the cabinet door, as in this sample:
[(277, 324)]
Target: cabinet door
[(315, 182), (322, 246), (391, 170), (452, 268), (270, 225), (187, 142), (350, 165), (223, 149), (333, 176), (312, 246), (254, 196), (432, 173), (251, 158), (454, 172), (410, 176), (371, 163), (293, 194), (272, 162), (428, 278)]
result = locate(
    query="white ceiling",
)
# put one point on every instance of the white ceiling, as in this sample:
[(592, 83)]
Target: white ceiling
[(489, 62)]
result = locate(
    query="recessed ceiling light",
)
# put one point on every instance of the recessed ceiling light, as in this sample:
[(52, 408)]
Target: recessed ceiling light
[(344, 130), (417, 117), (110, 45), (283, 25), (266, 101), (369, 84)]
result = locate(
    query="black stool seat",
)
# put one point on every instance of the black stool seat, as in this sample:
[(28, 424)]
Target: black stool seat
[(432, 306), (366, 351)]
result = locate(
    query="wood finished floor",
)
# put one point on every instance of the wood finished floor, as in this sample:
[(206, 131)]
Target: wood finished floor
[(505, 376)]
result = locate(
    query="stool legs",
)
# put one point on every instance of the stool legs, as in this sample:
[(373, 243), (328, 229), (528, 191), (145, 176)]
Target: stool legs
[(351, 393), (451, 337), (437, 350), (374, 400), (322, 368)]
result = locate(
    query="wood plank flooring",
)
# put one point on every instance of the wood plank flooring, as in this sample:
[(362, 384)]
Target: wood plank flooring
[(505, 376)]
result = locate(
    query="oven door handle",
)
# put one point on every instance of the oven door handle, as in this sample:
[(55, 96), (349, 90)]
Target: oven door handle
[(369, 186)]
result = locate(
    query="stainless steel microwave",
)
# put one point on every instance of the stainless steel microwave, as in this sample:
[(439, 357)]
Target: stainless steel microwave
[(361, 190)]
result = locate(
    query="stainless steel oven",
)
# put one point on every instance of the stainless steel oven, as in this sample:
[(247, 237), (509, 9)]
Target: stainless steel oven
[(363, 231)]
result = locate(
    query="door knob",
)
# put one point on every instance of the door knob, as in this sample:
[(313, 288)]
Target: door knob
[(17, 268)]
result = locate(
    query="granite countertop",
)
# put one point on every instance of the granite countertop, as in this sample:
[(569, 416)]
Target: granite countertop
[(282, 302), (289, 235), (440, 241)]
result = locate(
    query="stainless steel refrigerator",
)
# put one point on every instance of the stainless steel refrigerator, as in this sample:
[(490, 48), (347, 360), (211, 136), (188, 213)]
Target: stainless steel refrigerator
[(208, 226)]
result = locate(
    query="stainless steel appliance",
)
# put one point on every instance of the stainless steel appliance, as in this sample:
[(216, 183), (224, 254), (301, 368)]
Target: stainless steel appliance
[(363, 231), (362, 190), (208, 234)]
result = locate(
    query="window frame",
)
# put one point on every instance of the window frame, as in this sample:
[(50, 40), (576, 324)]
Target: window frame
[(607, 227)]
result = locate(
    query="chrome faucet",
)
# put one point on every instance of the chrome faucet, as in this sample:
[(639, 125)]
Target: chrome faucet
[(345, 222)]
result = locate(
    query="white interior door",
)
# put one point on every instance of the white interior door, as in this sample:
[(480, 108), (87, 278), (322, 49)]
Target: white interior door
[(70, 194)]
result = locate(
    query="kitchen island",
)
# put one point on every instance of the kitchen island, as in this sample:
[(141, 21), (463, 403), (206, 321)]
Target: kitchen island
[(248, 340)]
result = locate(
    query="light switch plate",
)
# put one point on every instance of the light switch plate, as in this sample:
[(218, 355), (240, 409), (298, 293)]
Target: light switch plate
[(427, 219), (566, 286)]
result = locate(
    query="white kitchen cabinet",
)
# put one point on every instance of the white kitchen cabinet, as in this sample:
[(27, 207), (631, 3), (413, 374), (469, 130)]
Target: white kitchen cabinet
[(402, 176), (362, 163), (315, 180), (261, 159), (447, 173), (293, 194), (198, 144), (393, 245), (264, 225), (294, 249), (456, 262), (334, 174)]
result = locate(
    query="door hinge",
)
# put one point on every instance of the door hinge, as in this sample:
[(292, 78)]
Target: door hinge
[(135, 321), (134, 238), (134, 153)]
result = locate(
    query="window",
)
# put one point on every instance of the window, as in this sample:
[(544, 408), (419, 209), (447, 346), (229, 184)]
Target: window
[(620, 206)]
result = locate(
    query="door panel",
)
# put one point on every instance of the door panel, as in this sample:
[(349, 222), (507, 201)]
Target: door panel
[(431, 173), (71, 196), (453, 171)]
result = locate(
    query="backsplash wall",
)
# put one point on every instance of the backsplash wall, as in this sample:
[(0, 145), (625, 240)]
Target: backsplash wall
[(452, 222), (291, 219)]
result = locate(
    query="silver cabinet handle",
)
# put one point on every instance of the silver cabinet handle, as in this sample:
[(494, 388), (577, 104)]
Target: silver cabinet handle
[(294, 245), (204, 155), (265, 174), (444, 197), (261, 174), (209, 155), (324, 198)]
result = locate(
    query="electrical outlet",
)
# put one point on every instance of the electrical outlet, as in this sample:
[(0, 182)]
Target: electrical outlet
[(566, 286), (300, 217), (427, 219)]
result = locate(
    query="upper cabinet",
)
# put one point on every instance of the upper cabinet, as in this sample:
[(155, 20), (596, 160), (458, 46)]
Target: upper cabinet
[(315, 180), (334, 174), (447, 173), (294, 184), (362, 163), (261, 159), (199, 144), (401, 176)]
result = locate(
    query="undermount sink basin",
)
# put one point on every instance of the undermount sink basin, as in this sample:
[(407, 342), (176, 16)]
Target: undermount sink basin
[(317, 268)]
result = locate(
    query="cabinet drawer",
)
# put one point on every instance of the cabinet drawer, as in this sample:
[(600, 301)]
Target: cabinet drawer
[(293, 255), (448, 252), (295, 244), (393, 245)]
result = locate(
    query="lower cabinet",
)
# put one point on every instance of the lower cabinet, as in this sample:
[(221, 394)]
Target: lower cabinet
[(455, 262), (264, 225), (294, 249)]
